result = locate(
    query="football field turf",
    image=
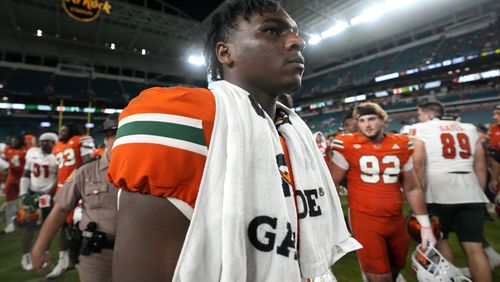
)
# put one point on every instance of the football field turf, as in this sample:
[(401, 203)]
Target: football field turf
[(347, 269)]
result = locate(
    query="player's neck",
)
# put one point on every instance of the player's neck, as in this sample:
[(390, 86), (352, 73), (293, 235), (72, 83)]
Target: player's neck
[(376, 139)]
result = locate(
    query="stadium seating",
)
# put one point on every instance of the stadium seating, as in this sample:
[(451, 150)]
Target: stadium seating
[(422, 55), (68, 86), (329, 123), (107, 89), (28, 81), (133, 88), (4, 74)]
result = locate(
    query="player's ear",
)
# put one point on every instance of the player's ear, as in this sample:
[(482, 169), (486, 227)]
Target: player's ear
[(223, 52)]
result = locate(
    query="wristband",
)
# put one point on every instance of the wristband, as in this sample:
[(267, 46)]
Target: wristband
[(423, 220)]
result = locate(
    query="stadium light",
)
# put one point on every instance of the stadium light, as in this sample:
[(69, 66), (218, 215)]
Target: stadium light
[(334, 30), (39, 32), (112, 46), (44, 124), (314, 39), (196, 60), (387, 76), (371, 14), (143, 52)]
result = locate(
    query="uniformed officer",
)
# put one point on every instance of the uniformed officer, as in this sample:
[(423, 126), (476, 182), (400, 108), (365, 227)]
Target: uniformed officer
[(98, 222)]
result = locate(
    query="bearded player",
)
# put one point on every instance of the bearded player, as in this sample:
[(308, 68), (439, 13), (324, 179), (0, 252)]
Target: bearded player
[(377, 165), (73, 150), (15, 154), (37, 183)]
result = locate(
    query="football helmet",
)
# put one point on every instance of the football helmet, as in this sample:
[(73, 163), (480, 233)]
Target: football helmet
[(26, 217), (414, 228), (430, 266)]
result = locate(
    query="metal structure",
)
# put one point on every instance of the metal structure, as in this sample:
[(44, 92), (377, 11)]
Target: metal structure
[(169, 35)]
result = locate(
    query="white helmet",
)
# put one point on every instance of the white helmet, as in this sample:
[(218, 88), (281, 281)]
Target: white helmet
[(50, 136), (430, 266)]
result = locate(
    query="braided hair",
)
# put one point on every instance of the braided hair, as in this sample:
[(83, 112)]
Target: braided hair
[(225, 22)]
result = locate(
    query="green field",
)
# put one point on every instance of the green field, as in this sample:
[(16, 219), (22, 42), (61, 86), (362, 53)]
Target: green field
[(346, 269)]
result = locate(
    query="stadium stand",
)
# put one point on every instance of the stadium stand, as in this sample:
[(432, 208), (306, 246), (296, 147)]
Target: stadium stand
[(38, 81), (473, 43)]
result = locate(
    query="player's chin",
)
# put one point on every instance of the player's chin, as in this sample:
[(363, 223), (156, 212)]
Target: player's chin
[(292, 83), (369, 134)]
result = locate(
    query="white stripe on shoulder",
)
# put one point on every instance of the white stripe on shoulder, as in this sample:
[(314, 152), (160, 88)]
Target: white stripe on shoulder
[(338, 145), (162, 118), (160, 140)]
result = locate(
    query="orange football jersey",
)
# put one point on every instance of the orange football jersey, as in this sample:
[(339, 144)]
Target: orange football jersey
[(16, 159), (162, 142), (69, 155), (373, 172), (495, 136)]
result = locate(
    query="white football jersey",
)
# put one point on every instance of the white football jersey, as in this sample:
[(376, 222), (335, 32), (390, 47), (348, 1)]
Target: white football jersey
[(450, 148), (43, 168)]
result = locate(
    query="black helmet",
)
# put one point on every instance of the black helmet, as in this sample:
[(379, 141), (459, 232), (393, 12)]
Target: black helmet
[(110, 123)]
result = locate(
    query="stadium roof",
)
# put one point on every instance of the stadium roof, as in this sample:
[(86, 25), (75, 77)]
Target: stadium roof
[(170, 31)]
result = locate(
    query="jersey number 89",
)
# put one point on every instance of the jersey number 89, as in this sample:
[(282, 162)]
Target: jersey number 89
[(449, 148), (370, 169)]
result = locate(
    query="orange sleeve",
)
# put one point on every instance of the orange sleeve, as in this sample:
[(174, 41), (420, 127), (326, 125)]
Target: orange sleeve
[(338, 143), (162, 142)]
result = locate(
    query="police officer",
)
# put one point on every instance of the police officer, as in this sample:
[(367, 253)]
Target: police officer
[(98, 222)]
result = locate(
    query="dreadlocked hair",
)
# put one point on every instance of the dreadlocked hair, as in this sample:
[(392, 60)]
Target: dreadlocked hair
[(73, 129), (225, 22)]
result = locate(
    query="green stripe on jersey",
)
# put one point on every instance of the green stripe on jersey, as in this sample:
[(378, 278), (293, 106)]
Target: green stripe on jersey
[(163, 129)]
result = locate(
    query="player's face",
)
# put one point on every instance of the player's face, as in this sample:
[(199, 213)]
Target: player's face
[(265, 54), (370, 126), (47, 146), (350, 126), (318, 138), (496, 116), (14, 142), (64, 133), (423, 116)]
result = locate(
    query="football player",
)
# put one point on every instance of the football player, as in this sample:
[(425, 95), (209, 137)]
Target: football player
[(495, 150), (15, 154), (322, 145), (450, 161), (38, 181), (251, 46), (73, 150), (377, 165)]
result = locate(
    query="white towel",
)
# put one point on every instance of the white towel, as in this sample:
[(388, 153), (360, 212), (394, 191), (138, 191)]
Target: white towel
[(244, 224)]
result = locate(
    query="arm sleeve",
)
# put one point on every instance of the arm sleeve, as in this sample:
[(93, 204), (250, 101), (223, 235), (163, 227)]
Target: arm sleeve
[(4, 164), (339, 160), (24, 185), (408, 165), (87, 146)]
